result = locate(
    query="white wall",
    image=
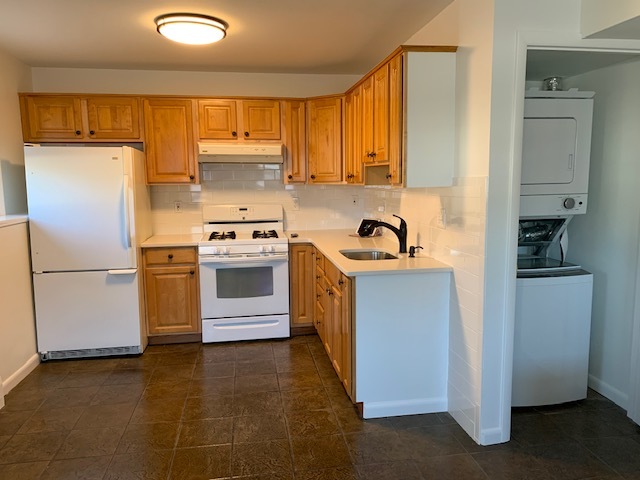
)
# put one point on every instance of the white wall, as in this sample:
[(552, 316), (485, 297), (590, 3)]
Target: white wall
[(605, 240), (600, 17), (17, 326), (450, 222), (15, 77), (156, 82)]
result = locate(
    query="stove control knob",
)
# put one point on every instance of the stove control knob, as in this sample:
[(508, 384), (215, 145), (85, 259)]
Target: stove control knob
[(569, 203), (225, 250), (216, 251), (262, 249), (272, 249)]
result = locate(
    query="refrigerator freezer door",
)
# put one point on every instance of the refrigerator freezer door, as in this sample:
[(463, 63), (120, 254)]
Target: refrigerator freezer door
[(85, 310), (78, 201)]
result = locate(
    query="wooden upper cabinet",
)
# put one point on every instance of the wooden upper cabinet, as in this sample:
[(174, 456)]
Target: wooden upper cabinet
[(353, 136), (113, 118), (375, 116), (220, 119), (381, 114), (69, 118), (395, 120), (324, 127), (294, 139), (170, 147), (261, 119)]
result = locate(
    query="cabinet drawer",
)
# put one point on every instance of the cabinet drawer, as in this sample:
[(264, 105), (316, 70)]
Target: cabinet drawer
[(169, 255), (319, 258), (332, 273)]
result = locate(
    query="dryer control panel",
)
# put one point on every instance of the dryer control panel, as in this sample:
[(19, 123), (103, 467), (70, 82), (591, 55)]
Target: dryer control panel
[(540, 205)]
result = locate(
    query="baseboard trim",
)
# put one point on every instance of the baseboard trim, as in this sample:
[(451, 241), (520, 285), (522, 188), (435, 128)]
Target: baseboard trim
[(21, 373), (395, 408), (603, 388), (175, 338)]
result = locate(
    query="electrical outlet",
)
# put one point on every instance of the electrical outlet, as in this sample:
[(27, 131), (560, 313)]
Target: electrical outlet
[(296, 203), (442, 218), (177, 206)]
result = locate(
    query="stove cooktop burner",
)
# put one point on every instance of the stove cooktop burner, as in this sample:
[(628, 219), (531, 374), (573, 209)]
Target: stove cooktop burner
[(222, 235), (265, 234)]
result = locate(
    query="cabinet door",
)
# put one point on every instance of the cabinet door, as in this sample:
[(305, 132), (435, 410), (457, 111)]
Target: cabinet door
[(217, 119), (395, 120), (302, 285), (335, 301), (52, 118), (169, 145), (367, 149), (381, 114), (345, 337), (295, 141), (319, 313), (353, 136), (261, 119), (172, 299), (113, 118), (325, 140)]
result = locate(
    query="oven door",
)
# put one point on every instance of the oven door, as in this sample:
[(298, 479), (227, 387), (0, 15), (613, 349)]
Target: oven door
[(244, 286)]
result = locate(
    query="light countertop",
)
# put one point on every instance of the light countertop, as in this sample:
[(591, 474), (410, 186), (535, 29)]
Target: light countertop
[(330, 242), (7, 220), (178, 240)]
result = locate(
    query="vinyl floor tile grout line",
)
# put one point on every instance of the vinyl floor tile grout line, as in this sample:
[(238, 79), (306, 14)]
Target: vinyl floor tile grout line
[(199, 411)]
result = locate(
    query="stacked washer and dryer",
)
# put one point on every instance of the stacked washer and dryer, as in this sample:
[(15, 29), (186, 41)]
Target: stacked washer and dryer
[(553, 296)]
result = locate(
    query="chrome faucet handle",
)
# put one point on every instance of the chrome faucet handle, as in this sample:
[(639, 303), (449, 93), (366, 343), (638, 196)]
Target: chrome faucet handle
[(412, 250)]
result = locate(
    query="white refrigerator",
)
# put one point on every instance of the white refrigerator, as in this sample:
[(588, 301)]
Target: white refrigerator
[(89, 210)]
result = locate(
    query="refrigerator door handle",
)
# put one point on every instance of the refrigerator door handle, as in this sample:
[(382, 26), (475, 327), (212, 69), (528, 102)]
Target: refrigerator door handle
[(126, 271), (127, 210)]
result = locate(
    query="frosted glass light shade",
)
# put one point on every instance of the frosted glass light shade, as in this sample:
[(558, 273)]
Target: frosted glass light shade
[(191, 28)]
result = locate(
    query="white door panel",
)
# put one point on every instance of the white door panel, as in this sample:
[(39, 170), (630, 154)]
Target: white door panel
[(548, 151), (77, 208), (83, 310)]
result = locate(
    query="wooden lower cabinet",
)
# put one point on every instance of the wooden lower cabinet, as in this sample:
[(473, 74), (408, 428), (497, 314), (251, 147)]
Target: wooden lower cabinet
[(171, 290), (301, 296), (333, 318)]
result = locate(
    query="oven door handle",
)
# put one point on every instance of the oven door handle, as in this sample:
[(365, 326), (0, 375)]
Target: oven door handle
[(244, 260)]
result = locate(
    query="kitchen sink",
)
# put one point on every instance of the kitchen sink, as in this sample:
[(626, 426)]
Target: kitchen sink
[(367, 255)]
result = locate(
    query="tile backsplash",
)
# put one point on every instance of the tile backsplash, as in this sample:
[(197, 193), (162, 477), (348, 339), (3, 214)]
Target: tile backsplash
[(306, 207)]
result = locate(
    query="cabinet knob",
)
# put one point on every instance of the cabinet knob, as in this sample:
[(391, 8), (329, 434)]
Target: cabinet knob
[(234, 134), (328, 291), (317, 297), (317, 277), (192, 177), (92, 132), (340, 282), (246, 134), (192, 272), (170, 256), (313, 177), (388, 176), (78, 132), (289, 177)]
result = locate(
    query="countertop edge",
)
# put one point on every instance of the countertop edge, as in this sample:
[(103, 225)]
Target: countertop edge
[(8, 220), (330, 242), (176, 240)]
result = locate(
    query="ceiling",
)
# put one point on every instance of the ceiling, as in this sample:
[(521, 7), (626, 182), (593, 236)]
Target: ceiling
[(284, 36)]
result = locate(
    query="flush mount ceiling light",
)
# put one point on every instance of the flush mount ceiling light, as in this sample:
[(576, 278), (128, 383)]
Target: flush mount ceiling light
[(191, 28)]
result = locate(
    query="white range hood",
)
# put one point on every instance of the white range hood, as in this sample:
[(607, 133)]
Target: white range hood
[(239, 153)]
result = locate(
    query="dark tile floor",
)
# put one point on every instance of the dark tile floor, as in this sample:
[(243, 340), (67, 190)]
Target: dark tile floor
[(274, 410)]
